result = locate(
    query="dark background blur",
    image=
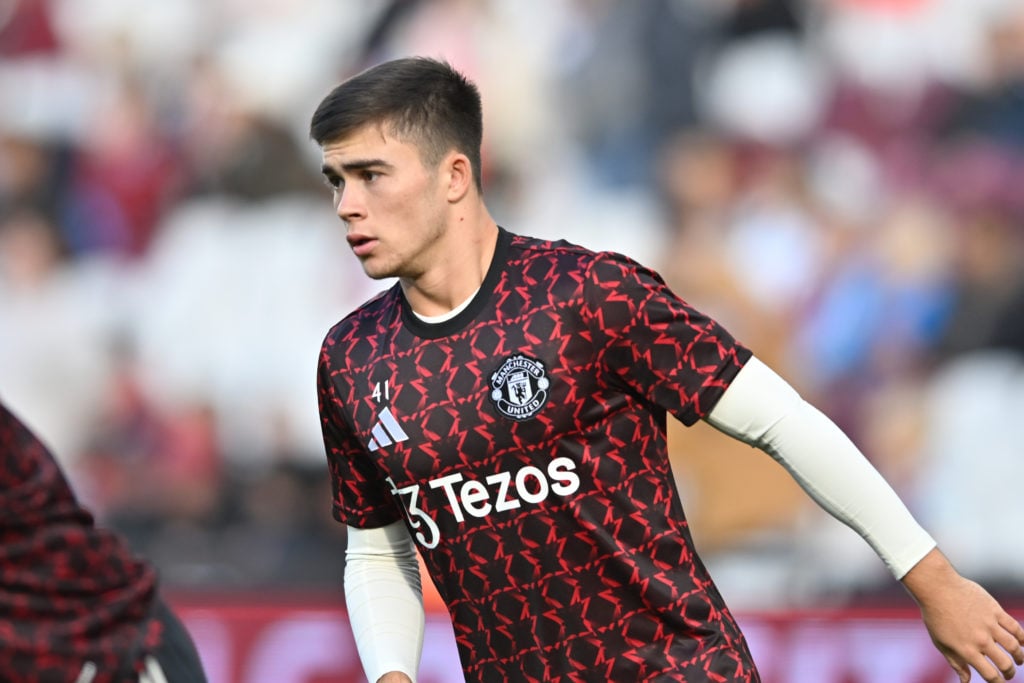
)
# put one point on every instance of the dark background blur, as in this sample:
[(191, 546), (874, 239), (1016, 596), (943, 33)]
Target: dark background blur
[(838, 181)]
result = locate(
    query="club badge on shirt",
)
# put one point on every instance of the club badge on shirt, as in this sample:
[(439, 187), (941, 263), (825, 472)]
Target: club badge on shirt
[(519, 387)]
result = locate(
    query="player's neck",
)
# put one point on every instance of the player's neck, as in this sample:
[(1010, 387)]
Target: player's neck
[(456, 274), (437, 319)]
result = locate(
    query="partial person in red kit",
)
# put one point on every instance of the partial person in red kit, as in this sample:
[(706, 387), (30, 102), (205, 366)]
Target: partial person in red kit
[(76, 605)]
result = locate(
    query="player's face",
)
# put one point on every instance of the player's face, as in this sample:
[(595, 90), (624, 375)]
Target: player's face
[(393, 206)]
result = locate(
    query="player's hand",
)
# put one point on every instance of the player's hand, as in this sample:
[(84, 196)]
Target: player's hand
[(967, 625), (971, 630), (394, 677)]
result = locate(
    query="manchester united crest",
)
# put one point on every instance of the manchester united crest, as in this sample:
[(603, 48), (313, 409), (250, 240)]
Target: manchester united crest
[(519, 388)]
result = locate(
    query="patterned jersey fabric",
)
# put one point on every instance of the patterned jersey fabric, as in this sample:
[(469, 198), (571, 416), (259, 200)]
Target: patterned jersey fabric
[(523, 442), (74, 602)]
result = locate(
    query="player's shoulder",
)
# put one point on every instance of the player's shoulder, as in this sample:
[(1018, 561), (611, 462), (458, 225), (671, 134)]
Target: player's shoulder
[(367, 319), (525, 248), (569, 254)]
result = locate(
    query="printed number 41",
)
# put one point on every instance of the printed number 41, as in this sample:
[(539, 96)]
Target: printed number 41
[(381, 389)]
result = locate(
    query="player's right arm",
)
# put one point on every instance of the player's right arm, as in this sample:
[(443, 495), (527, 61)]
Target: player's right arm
[(383, 594), (384, 598)]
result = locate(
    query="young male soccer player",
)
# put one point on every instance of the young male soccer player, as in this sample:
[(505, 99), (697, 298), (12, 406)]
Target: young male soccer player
[(502, 409)]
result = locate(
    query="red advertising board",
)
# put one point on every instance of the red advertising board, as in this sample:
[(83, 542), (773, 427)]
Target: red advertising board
[(264, 640)]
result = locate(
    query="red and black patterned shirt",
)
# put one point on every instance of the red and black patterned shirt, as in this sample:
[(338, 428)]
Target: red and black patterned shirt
[(523, 442), (74, 602)]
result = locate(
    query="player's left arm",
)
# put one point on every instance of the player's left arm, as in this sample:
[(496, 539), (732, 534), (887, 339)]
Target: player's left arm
[(966, 624)]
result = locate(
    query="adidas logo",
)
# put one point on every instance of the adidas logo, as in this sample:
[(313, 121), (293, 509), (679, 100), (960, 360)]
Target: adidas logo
[(386, 431)]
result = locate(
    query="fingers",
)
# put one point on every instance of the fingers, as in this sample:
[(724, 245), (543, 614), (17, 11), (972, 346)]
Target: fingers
[(985, 638), (1014, 628), (1002, 661), (1011, 644), (995, 662), (961, 669), (958, 664), (986, 670), (1011, 640)]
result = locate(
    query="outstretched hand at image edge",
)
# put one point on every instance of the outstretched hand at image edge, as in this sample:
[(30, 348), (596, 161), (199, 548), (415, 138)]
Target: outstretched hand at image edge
[(968, 626)]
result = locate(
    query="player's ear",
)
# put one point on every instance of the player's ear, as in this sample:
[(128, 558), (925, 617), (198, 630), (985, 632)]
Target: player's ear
[(459, 173)]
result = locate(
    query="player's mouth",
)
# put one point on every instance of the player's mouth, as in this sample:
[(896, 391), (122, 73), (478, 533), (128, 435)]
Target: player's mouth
[(361, 245)]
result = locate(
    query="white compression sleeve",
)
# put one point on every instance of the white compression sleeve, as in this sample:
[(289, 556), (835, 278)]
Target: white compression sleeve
[(384, 599), (763, 410)]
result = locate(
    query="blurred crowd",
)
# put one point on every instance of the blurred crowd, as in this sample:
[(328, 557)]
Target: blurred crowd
[(840, 182)]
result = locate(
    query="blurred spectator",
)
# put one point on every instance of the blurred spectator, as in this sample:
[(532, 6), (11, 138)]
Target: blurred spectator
[(124, 176), (650, 51), (987, 298), (26, 28), (33, 174), (762, 82), (991, 105), (53, 320), (233, 149), (882, 312)]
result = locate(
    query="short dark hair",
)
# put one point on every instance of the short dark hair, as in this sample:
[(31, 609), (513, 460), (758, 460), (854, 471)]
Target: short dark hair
[(422, 100)]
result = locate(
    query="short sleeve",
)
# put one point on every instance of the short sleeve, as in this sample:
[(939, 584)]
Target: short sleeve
[(654, 343), (361, 495)]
